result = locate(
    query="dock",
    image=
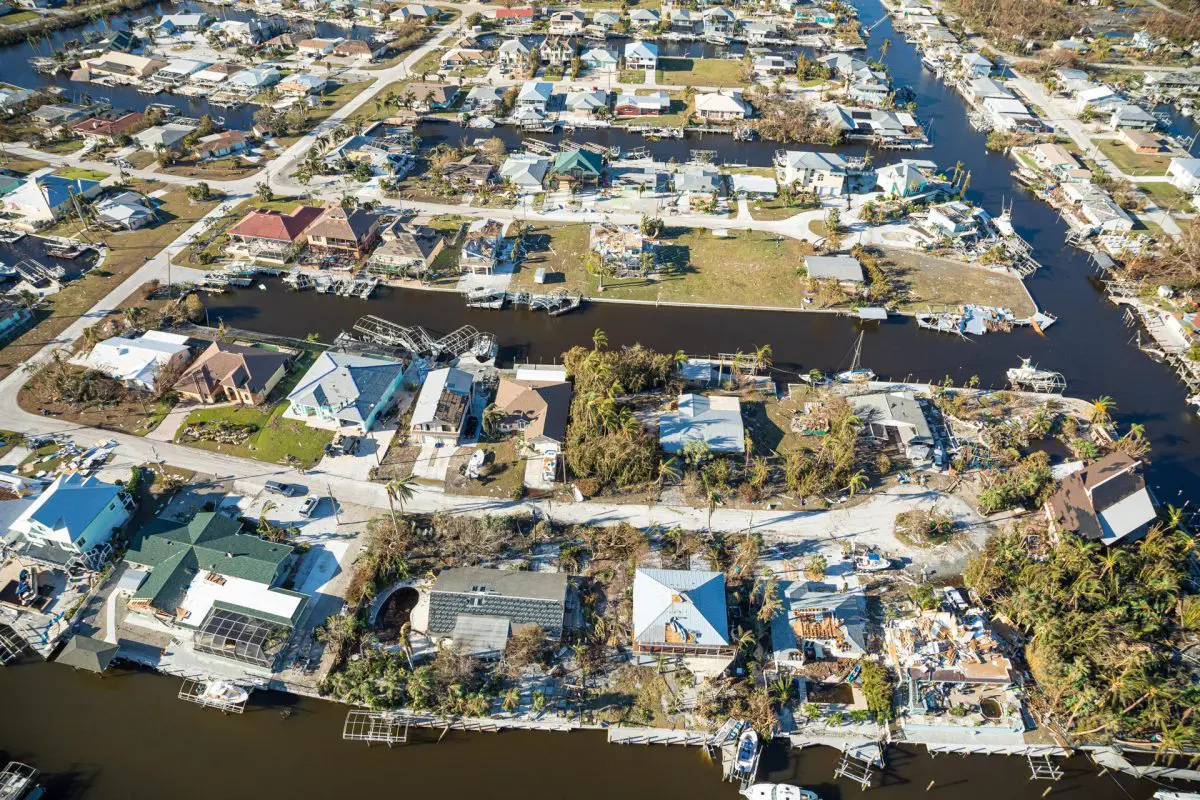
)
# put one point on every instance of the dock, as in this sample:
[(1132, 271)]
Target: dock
[(553, 303)]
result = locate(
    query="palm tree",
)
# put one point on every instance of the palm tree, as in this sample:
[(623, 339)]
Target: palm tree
[(400, 490), (1102, 408), (712, 504), (668, 469), (763, 356), (858, 481), (512, 699), (491, 420), (599, 339)]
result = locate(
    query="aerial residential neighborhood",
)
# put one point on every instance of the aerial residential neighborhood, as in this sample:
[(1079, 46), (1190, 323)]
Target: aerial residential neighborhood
[(813, 384)]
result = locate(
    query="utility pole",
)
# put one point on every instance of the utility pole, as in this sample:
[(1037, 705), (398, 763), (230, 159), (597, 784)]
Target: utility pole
[(333, 501)]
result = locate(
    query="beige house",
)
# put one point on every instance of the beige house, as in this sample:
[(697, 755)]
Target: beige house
[(232, 373)]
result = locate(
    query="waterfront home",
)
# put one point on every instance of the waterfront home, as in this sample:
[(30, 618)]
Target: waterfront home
[(253, 80), (568, 22), (979, 89), (716, 421), (536, 410), (125, 211), (897, 417), (822, 173), (906, 178), (469, 172), (172, 24), (753, 186), (358, 50), (846, 270), (341, 232), (14, 99), (483, 245), (212, 577), (513, 53), (53, 116), (1172, 83), (108, 126), (169, 136), (1010, 114), (1059, 162), (137, 362), (432, 96), (250, 32), (1129, 116), (478, 609), (771, 65), (641, 18), (955, 219), (1096, 208), (73, 515), (343, 391), (123, 67), (975, 66), (13, 317), (699, 179), (1089, 96), (686, 22), (1184, 174), (680, 613), (49, 198), (514, 16), (577, 168), (558, 51), (727, 105), (300, 84), (380, 157), (461, 56), (813, 17), (219, 145), (952, 647), (316, 48), (525, 172), (587, 102), (440, 412), (535, 95), (406, 251), (1140, 141), (820, 619), (759, 32), (483, 98), (214, 74), (620, 246), (1105, 502), (178, 70), (600, 59), (718, 21), (641, 105), (232, 373), (421, 13), (641, 55), (271, 235)]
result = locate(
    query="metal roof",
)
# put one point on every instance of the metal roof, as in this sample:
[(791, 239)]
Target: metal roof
[(688, 603)]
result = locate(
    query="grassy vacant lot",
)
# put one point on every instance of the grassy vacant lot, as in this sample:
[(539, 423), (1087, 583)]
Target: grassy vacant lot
[(430, 62), (128, 251), (275, 441), (700, 72), (634, 76), (22, 165), (937, 282), (504, 474), (79, 173), (18, 17), (749, 268), (1131, 163), (62, 146), (1165, 195), (228, 168)]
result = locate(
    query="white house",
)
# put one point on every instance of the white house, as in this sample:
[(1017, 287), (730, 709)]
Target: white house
[(442, 407), (525, 172), (74, 514), (535, 95), (823, 173), (641, 55), (723, 106), (975, 66), (138, 362), (1097, 207), (716, 421), (1185, 174)]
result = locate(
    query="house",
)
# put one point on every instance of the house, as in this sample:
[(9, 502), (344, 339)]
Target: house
[(357, 49), (1131, 116), (253, 80), (1139, 141), (680, 612), (726, 105), (769, 65), (124, 67), (514, 16), (822, 173), (979, 89), (166, 137), (955, 219), (753, 186), (587, 102), (219, 145), (483, 246), (1058, 161), (1010, 114), (415, 11), (685, 22), (469, 172), (125, 211), (820, 619), (577, 168), (214, 74), (173, 24), (718, 21), (272, 235), (600, 59), (432, 96), (484, 98), (233, 373), (316, 48), (642, 105), (1096, 98), (478, 609), (54, 115), (534, 95), (300, 84), (699, 179), (250, 32), (716, 421), (1096, 207), (513, 53), (1184, 174), (898, 418), (1105, 502), (49, 198), (460, 57), (138, 362), (758, 32), (641, 55), (406, 251), (621, 246), (13, 99), (905, 178), (442, 407), (558, 51), (525, 172), (537, 410), (108, 126), (342, 391), (568, 22), (73, 515), (846, 270), (210, 576), (13, 317), (339, 231), (975, 66), (641, 18)]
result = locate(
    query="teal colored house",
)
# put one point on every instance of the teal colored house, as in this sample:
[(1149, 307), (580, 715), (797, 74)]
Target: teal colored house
[(73, 515), (577, 168), (345, 391)]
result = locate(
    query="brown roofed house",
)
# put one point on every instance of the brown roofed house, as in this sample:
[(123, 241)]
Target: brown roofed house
[(407, 250), (431, 96), (233, 373), (216, 145), (109, 126), (272, 235), (344, 232), (356, 48), (538, 410), (1106, 502)]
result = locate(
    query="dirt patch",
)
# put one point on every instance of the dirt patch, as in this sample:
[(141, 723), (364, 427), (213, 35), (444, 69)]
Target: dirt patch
[(929, 281)]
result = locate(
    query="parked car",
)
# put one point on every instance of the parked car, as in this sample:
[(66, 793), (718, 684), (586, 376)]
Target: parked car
[(285, 489), (310, 505)]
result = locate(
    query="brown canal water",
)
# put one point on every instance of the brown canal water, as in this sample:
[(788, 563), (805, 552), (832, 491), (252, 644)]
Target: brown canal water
[(126, 737)]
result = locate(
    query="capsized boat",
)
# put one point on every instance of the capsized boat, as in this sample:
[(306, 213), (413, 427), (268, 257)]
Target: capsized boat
[(219, 691), (747, 749), (779, 791)]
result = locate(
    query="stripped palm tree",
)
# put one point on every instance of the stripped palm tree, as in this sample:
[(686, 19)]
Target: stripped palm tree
[(400, 490)]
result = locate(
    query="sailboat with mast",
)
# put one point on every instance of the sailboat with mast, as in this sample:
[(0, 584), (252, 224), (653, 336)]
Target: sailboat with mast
[(857, 373)]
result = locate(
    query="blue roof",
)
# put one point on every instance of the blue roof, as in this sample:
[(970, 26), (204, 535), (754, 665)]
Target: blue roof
[(58, 190), (72, 503), (689, 603), (352, 387)]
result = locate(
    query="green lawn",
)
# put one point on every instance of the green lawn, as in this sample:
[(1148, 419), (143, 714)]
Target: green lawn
[(1131, 163), (700, 72), (275, 440), (62, 146), (18, 17), (74, 173), (1166, 196), (634, 76)]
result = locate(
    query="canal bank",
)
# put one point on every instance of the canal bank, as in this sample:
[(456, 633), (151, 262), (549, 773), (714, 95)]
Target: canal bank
[(139, 741)]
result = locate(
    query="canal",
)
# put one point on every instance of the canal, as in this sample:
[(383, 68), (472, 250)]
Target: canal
[(127, 737)]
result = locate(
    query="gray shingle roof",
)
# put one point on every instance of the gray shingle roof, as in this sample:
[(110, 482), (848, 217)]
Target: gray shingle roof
[(522, 598)]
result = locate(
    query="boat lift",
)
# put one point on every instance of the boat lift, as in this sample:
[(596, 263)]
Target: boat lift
[(466, 340), (858, 764), (193, 692), (1042, 768), (374, 727)]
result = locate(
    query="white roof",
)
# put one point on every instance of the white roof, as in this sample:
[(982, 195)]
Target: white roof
[(1126, 516), (691, 603), (721, 102), (841, 268), (1095, 93), (976, 59), (202, 594), (1005, 105), (534, 90), (1185, 166), (136, 360), (715, 420), (448, 378), (183, 66), (754, 184), (641, 50), (255, 76), (546, 373)]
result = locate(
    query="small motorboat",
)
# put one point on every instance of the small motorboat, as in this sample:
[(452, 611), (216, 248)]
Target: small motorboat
[(871, 562), (779, 791), (218, 691), (747, 749)]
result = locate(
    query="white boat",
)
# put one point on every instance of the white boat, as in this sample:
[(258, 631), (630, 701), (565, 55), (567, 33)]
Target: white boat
[(1031, 378), (856, 373), (6, 271), (218, 691), (871, 562), (779, 791), (747, 749)]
